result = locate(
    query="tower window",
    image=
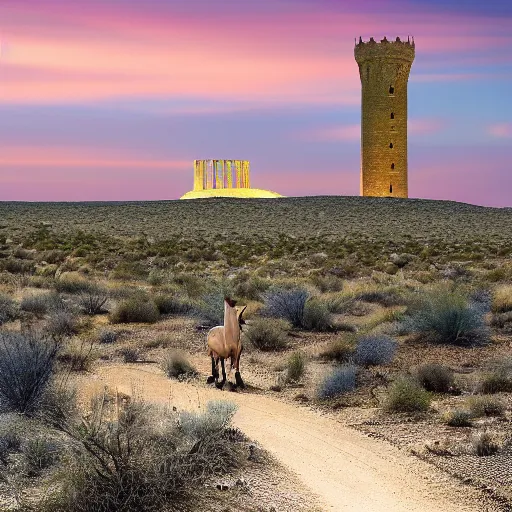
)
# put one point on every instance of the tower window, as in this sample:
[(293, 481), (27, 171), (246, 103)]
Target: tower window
[(391, 90), (392, 115), (391, 188), (392, 166), (391, 145)]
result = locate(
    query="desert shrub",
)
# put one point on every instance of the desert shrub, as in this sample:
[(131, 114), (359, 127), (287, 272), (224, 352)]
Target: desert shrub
[(458, 418), (16, 266), (41, 282), (135, 458), (129, 355), (484, 444), (406, 395), (107, 337), (93, 301), (374, 350), (172, 305), (341, 380), (77, 355), (485, 406), (135, 310), (129, 270), (61, 323), (501, 320), (214, 419), (8, 309), (38, 454), (496, 381), (250, 286), (340, 350), (339, 303), (449, 318), (73, 285), (175, 364), (327, 283), (210, 309), (26, 367), (502, 300), (286, 303), (193, 285), (295, 367), (317, 316), (435, 377), (481, 298), (10, 442), (267, 334), (386, 298), (42, 303)]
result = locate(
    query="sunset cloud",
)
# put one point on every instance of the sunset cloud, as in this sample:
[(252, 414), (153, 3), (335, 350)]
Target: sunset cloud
[(501, 130)]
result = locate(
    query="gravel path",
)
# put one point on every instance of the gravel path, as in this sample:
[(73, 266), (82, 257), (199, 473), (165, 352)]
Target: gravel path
[(347, 470)]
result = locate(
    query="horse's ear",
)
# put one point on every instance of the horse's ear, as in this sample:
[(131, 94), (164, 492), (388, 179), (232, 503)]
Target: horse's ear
[(230, 302)]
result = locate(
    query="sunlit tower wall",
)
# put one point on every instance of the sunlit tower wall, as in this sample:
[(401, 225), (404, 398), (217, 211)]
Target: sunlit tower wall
[(384, 71), (221, 174)]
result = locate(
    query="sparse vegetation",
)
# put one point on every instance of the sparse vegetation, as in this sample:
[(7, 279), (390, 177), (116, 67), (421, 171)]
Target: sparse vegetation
[(296, 366), (340, 350), (449, 318), (458, 418), (435, 275), (374, 350), (126, 461), (135, 310), (175, 364), (406, 395), (485, 406), (267, 334), (287, 304), (435, 377), (172, 305), (42, 303), (26, 367), (484, 444), (8, 309), (341, 380), (317, 317)]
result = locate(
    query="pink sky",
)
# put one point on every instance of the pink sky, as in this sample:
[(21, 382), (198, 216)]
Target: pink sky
[(114, 99)]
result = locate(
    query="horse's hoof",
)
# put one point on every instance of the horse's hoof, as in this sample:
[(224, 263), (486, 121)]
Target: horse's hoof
[(239, 381), (219, 385), (210, 379)]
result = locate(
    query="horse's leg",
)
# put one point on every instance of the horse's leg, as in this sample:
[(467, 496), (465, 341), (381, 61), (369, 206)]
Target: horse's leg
[(238, 377), (221, 385), (215, 373)]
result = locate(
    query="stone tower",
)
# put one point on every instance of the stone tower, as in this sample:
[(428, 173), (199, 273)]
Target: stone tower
[(384, 71)]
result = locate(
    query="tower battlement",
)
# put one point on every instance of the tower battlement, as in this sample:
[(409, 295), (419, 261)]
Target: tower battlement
[(397, 49)]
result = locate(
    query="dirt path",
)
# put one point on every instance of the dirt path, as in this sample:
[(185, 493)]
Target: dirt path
[(347, 470)]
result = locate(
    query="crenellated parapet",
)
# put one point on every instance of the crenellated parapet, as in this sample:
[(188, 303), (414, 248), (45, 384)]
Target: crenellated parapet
[(396, 49)]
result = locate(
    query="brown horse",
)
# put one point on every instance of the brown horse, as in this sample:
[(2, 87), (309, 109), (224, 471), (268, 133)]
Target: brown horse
[(225, 341)]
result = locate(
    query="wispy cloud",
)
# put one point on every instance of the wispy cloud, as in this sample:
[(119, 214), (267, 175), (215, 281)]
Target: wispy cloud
[(501, 130)]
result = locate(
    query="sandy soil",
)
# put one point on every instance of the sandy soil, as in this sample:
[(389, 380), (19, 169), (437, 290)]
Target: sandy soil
[(345, 469)]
